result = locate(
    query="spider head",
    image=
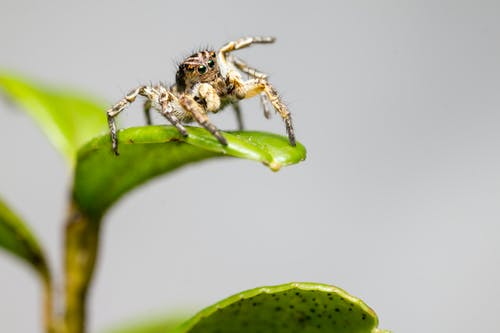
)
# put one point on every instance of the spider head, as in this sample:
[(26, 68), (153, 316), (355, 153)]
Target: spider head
[(199, 67)]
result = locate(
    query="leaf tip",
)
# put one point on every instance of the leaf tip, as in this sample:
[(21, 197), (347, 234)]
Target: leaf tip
[(275, 166)]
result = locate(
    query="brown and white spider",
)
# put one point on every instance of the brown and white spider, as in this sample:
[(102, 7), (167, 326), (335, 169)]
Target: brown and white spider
[(206, 81)]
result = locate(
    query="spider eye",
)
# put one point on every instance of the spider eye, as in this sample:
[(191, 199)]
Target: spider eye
[(211, 63), (202, 69)]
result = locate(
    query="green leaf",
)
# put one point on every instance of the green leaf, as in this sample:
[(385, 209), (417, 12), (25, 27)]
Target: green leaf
[(294, 307), (101, 178), (68, 118), (16, 238)]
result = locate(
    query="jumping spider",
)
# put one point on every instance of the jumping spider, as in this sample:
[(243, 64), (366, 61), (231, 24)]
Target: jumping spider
[(206, 81)]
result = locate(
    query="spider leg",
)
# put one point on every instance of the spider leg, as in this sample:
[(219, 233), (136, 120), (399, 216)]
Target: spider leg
[(243, 66), (236, 45), (246, 42), (254, 73), (122, 104), (258, 86), (239, 117), (147, 111), (166, 100), (196, 110), (263, 103)]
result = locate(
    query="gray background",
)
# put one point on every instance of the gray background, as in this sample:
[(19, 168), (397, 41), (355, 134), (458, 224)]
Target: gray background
[(398, 202)]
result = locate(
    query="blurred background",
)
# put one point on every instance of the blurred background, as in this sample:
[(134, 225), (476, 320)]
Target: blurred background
[(398, 202)]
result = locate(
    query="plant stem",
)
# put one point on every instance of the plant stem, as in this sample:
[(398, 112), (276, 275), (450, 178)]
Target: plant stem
[(81, 246), (49, 319), (50, 322)]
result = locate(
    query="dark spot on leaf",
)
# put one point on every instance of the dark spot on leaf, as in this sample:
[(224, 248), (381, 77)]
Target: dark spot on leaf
[(174, 140)]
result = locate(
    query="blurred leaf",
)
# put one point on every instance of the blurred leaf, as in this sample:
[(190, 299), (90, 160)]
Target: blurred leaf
[(294, 307), (16, 238), (154, 325), (101, 178), (68, 118)]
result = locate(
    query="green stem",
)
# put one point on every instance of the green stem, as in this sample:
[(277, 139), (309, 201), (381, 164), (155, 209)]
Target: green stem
[(81, 246)]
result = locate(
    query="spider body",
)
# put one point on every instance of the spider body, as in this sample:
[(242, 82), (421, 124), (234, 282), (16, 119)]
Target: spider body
[(205, 82)]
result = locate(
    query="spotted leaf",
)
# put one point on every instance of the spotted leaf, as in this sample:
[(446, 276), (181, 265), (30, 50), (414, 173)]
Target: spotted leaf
[(294, 307)]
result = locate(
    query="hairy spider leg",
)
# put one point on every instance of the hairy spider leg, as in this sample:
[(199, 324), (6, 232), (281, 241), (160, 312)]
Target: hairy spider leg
[(239, 117), (122, 104), (190, 105), (246, 42), (257, 86), (263, 103), (252, 72), (254, 86), (166, 109), (158, 97), (147, 112), (237, 45), (243, 66)]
